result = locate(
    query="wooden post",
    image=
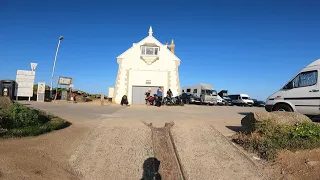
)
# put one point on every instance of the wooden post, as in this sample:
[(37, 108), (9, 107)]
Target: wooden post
[(102, 100)]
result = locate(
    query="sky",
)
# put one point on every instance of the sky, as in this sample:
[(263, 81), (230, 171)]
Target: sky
[(251, 47)]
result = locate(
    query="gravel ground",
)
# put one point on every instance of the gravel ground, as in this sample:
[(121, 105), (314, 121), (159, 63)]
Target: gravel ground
[(114, 150), (207, 154), (111, 142)]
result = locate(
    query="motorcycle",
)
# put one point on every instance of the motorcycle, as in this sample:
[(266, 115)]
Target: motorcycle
[(173, 101), (179, 101), (168, 101)]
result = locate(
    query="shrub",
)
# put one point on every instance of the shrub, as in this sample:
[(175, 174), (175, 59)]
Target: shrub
[(24, 121), (269, 138), (21, 116)]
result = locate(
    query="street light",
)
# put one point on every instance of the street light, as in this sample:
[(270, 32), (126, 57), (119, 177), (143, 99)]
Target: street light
[(54, 64)]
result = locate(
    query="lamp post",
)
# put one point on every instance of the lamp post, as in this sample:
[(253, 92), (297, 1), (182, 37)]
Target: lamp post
[(54, 64)]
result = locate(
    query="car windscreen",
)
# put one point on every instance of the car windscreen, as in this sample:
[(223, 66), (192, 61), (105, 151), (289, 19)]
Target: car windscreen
[(244, 97)]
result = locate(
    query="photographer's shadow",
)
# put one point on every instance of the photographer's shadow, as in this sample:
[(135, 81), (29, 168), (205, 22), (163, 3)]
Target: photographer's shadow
[(150, 169)]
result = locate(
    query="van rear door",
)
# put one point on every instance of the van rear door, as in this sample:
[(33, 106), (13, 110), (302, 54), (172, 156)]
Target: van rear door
[(303, 92)]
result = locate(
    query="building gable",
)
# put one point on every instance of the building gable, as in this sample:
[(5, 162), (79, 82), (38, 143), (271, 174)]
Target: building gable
[(148, 40)]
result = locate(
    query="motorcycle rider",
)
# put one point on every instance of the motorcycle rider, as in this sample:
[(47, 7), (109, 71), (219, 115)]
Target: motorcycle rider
[(170, 95), (148, 93)]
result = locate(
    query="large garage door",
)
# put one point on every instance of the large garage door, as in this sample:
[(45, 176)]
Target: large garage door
[(138, 93)]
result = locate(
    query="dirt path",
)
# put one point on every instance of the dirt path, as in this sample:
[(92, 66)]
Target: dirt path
[(113, 143), (43, 157)]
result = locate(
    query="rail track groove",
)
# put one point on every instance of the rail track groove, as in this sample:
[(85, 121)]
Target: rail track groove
[(165, 151)]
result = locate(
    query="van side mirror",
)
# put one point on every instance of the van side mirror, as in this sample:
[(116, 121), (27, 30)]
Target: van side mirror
[(289, 85)]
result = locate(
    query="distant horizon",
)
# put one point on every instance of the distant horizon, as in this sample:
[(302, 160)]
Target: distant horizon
[(245, 47)]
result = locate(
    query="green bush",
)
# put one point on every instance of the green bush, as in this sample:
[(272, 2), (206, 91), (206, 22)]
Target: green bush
[(20, 120), (269, 138), (21, 116)]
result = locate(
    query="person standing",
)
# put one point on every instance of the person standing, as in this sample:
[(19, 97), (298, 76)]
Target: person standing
[(72, 98), (159, 94)]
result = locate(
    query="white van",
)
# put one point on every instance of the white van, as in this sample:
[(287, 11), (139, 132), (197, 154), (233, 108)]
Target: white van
[(300, 94), (241, 100), (204, 91)]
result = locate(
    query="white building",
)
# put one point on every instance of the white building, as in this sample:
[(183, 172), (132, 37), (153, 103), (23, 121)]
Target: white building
[(147, 64)]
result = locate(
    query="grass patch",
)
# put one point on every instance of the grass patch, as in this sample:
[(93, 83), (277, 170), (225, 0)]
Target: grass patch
[(268, 138), (19, 121)]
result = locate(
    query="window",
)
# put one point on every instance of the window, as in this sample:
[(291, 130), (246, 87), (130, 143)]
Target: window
[(153, 51), (233, 97), (195, 90), (245, 98), (308, 78), (203, 91), (304, 79), (188, 90)]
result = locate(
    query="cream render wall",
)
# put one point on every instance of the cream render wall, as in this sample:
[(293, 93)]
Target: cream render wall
[(134, 71), (138, 78)]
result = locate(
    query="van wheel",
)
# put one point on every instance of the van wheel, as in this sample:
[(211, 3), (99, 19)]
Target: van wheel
[(282, 107)]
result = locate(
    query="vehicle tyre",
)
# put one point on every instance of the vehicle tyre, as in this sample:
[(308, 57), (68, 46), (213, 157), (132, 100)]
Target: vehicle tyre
[(282, 107)]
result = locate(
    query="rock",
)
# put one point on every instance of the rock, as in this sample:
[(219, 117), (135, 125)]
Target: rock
[(279, 118), (312, 163)]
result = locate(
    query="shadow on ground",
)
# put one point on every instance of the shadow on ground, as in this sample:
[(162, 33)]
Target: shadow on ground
[(235, 128), (150, 169), (244, 113)]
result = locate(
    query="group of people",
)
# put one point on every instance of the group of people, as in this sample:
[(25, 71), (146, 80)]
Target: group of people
[(158, 99)]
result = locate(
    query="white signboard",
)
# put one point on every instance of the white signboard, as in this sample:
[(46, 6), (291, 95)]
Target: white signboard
[(25, 80), (41, 87), (65, 80)]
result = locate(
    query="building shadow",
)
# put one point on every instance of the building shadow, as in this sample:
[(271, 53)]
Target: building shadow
[(151, 169), (244, 113), (236, 128)]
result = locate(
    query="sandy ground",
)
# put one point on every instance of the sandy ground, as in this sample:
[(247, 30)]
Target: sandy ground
[(112, 142), (206, 154)]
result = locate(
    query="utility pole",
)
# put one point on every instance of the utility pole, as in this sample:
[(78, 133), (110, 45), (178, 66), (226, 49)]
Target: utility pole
[(54, 64)]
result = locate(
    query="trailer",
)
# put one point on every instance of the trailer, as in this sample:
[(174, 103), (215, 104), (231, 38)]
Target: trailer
[(205, 91)]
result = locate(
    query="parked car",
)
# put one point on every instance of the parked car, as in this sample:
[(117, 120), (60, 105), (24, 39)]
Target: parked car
[(258, 103), (190, 99), (300, 94), (224, 95), (241, 100)]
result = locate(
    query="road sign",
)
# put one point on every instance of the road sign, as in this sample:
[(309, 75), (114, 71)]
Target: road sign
[(25, 80), (41, 87), (33, 66)]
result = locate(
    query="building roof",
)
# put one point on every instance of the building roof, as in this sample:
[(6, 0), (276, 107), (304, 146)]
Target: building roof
[(150, 45), (152, 41)]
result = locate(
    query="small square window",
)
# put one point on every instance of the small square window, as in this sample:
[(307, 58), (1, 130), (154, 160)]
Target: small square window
[(149, 51), (145, 50)]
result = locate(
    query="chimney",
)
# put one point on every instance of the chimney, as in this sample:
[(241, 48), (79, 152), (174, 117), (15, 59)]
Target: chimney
[(172, 46)]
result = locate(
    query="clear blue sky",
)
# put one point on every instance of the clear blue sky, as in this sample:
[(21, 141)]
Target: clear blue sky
[(244, 46)]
